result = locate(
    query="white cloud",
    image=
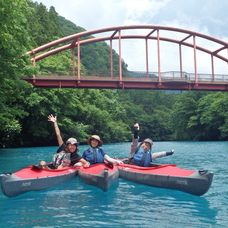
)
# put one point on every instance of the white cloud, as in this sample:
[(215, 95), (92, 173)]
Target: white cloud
[(136, 9)]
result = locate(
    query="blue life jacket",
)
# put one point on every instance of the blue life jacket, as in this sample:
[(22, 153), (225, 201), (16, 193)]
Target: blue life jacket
[(142, 157), (94, 155)]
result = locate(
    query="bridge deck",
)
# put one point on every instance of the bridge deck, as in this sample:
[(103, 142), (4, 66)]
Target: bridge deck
[(125, 83)]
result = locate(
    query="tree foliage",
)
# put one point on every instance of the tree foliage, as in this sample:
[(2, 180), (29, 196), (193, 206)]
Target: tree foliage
[(14, 41), (200, 116), (211, 117)]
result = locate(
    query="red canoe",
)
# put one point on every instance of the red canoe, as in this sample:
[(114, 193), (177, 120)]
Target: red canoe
[(102, 176), (168, 176), (33, 178)]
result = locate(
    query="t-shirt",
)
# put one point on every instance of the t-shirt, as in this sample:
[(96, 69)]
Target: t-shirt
[(75, 157)]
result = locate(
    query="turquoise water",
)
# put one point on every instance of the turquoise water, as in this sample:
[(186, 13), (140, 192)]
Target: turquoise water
[(126, 204)]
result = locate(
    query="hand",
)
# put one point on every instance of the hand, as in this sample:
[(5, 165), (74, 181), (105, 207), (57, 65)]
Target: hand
[(136, 126), (119, 162), (170, 153), (78, 164), (52, 118), (87, 164)]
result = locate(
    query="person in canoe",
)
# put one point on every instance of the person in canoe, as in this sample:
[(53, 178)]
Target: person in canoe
[(67, 154), (95, 154), (141, 155)]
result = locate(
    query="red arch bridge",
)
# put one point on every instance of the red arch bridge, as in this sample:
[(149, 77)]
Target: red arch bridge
[(155, 40)]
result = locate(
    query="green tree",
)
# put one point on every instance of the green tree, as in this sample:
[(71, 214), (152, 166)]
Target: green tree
[(151, 109), (69, 27), (210, 119), (54, 25), (184, 108), (44, 25), (14, 41)]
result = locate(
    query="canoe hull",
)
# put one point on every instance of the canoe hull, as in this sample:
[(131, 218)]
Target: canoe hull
[(99, 175), (30, 179), (192, 182)]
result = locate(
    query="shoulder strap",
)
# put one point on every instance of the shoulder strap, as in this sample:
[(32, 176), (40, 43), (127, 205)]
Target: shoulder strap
[(61, 148), (95, 155)]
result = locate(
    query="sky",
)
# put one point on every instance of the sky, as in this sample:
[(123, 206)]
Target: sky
[(205, 16)]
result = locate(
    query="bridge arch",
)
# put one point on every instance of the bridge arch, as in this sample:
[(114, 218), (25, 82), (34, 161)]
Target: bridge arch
[(181, 37)]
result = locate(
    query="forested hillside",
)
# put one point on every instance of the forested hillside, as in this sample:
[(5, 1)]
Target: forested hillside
[(81, 112)]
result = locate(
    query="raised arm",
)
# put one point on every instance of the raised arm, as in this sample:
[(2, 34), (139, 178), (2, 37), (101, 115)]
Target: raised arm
[(53, 119), (135, 140)]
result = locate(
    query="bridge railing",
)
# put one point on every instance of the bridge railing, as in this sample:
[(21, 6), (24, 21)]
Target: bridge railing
[(184, 76), (140, 75)]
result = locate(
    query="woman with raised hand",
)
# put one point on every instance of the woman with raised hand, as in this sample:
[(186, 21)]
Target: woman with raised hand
[(67, 154), (141, 154)]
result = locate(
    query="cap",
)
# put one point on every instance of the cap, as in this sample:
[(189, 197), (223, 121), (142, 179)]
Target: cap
[(72, 141), (148, 141)]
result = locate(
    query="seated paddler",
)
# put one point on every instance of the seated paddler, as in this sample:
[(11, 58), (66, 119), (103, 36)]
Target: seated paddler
[(95, 153), (141, 154), (67, 154)]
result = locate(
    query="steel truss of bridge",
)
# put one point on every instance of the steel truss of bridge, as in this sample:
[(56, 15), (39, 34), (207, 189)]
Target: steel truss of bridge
[(155, 36)]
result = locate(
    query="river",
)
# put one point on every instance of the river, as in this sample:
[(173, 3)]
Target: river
[(126, 204)]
